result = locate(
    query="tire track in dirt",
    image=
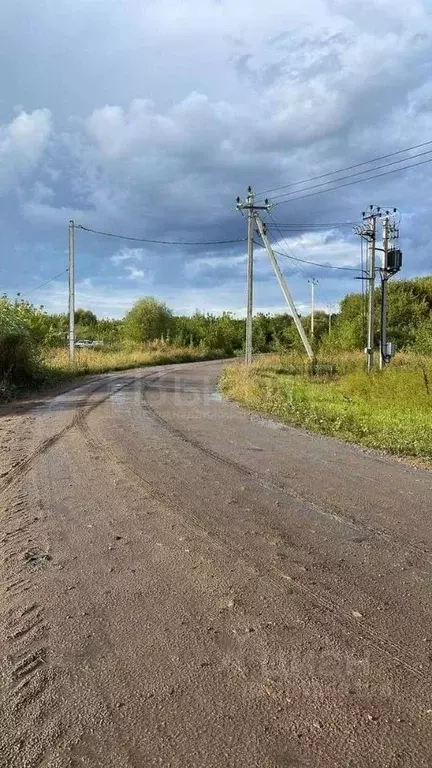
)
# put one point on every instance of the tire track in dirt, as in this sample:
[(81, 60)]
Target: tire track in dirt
[(22, 466), (373, 639), (24, 631), (28, 672), (28, 681), (271, 482)]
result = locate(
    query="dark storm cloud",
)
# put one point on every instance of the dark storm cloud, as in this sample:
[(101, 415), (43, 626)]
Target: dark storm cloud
[(150, 118)]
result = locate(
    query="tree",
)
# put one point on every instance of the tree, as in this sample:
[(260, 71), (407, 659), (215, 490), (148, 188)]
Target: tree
[(422, 343), (85, 317), (321, 324), (224, 333), (350, 328), (20, 342), (147, 320), (109, 331), (409, 306)]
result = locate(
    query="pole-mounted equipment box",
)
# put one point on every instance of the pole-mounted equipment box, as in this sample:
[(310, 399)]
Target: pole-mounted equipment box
[(393, 260)]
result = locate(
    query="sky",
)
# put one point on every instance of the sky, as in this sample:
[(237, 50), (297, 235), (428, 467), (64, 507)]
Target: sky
[(148, 117)]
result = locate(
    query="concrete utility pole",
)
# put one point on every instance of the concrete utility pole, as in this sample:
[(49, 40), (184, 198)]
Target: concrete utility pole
[(252, 209), (71, 291), (368, 232), (371, 295), (329, 307), (384, 278), (313, 282), (284, 288), (392, 263), (250, 266)]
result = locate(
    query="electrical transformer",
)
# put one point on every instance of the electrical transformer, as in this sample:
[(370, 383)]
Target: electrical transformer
[(394, 260)]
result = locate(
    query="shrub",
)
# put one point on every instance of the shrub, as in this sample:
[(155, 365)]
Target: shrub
[(19, 358)]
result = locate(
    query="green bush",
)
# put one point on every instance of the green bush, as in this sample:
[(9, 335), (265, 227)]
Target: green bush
[(148, 320), (19, 347)]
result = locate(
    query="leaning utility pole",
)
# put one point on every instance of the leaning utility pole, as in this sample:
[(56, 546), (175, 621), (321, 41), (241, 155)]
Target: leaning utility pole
[(71, 291), (252, 209), (284, 288), (254, 220), (313, 282)]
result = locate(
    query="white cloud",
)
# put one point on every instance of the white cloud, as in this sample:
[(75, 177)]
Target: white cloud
[(306, 111), (237, 97), (127, 254), (325, 247), (209, 263), (42, 193), (22, 144), (124, 257), (134, 273)]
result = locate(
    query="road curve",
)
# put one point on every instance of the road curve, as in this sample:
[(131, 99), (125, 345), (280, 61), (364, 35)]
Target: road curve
[(186, 584)]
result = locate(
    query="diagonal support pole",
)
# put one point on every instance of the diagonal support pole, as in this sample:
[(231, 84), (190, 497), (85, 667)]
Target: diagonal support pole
[(284, 288)]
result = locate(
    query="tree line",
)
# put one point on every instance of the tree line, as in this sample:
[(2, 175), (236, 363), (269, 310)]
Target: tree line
[(150, 320)]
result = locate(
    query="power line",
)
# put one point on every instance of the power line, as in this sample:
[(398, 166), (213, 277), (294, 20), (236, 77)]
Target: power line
[(348, 168), (316, 263), (159, 242), (296, 258), (42, 285), (307, 261), (357, 181), (309, 227), (284, 240), (358, 173)]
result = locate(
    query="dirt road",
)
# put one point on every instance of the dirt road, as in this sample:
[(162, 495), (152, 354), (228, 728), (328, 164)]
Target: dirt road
[(186, 584)]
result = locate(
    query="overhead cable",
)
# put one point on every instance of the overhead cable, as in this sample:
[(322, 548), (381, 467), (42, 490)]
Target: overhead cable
[(309, 227), (347, 168), (349, 183), (287, 245), (307, 261), (350, 175), (42, 285), (159, 242)]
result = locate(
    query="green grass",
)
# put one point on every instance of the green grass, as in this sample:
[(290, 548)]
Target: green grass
[(390, 410)]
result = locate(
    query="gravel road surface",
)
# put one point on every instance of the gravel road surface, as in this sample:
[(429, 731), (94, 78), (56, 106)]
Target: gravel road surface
[(185, 584)]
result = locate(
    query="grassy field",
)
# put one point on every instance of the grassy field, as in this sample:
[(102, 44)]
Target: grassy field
[(54, 367), (102, 361), (389, 410)]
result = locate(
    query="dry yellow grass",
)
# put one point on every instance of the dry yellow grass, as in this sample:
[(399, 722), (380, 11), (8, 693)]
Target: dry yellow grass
[(102, 361)]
